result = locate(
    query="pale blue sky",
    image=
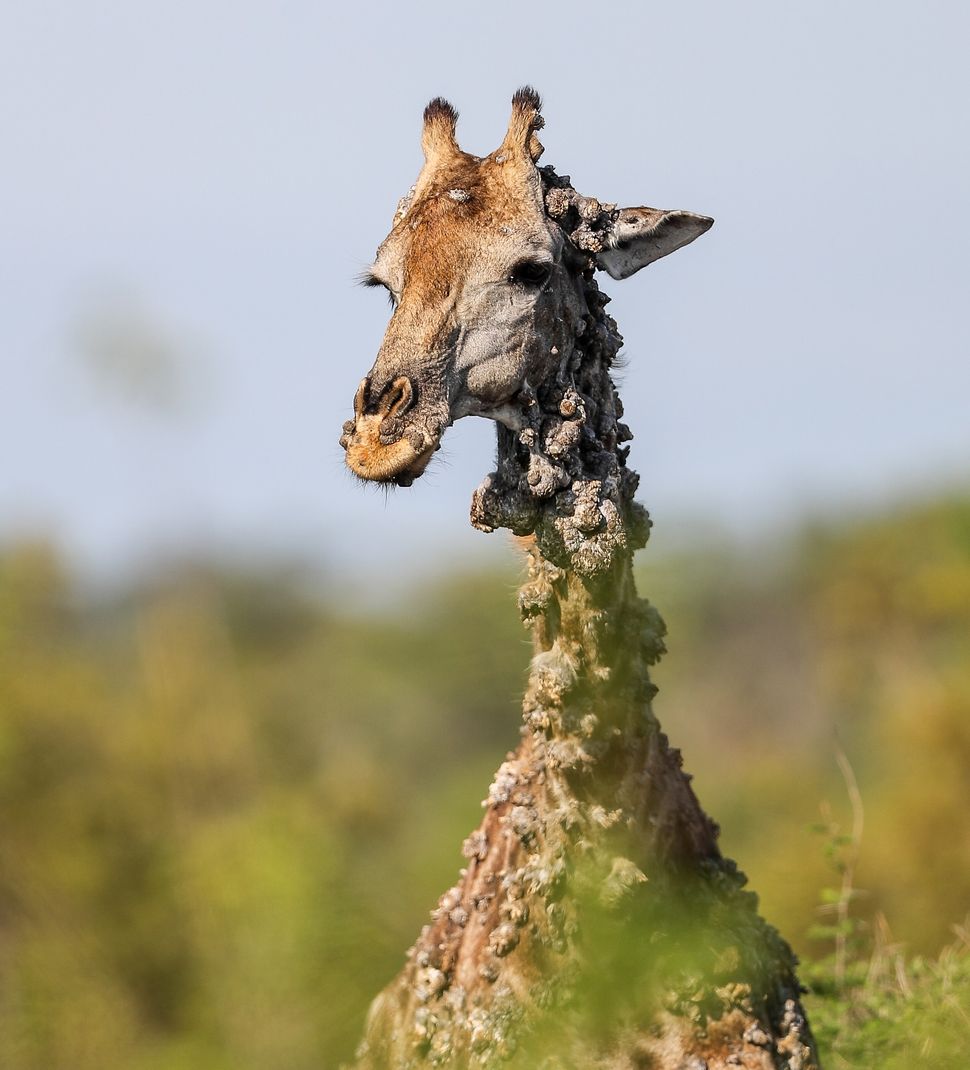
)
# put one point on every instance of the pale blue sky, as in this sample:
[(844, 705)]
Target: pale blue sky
[(218, 172)]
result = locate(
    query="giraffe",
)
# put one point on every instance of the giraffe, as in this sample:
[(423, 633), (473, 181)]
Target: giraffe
[(596, 922)]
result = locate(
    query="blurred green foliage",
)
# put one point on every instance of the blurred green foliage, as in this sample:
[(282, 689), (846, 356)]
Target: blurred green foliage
[(227, 801), (893, 1013)]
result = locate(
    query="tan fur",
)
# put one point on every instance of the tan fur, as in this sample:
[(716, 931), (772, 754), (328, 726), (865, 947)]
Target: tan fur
[(525, 121), (371, 459), (438, 137), (462, 207)]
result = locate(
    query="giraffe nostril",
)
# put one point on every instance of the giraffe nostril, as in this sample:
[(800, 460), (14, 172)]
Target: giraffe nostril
[(360, 398), (398, 397)]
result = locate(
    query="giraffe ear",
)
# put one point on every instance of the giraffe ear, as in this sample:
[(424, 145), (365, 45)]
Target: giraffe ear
[(642, 235)]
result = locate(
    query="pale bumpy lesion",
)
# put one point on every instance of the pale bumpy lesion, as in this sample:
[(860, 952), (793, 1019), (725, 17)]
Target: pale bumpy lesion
[(562, 474)]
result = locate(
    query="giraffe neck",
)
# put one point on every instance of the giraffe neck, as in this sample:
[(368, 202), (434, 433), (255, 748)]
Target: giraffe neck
[(593, 640), (587, 716)]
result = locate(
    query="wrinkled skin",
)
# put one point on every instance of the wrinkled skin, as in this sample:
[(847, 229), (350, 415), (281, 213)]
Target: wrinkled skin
[(487, 293)]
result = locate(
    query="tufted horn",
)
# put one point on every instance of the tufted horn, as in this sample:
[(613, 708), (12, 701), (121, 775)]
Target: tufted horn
[(438, 137), (526, 120), (440, 149)]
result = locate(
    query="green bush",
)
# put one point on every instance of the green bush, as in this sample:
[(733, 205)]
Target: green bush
[(227, 805)]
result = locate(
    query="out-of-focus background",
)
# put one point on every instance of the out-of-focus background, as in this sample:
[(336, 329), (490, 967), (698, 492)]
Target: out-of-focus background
[(247, 707)]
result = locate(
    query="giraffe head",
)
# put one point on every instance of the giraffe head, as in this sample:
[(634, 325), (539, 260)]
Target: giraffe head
[(486, 277)]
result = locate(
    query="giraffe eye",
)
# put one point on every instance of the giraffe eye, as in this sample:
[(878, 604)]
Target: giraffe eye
[(530, 273)]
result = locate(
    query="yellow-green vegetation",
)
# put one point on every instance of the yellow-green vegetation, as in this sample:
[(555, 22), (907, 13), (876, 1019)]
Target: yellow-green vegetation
[(228, 800), (856, 636), (893, 1013)]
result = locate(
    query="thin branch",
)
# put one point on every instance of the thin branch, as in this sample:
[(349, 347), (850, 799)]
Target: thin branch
[(851, 859)]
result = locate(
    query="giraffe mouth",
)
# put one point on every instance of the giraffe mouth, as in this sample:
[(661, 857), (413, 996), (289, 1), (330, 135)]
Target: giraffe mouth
[(371, 456)]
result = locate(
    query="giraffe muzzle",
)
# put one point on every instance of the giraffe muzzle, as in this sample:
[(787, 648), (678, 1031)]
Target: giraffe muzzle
[(384, 442)]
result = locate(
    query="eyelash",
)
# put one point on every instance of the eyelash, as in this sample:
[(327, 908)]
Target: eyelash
[(369, 279)]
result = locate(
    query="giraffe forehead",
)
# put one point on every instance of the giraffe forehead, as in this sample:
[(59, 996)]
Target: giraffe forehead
[(468, 214)]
